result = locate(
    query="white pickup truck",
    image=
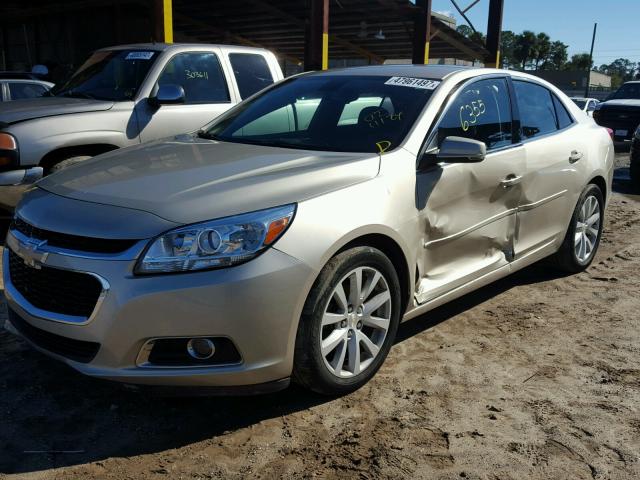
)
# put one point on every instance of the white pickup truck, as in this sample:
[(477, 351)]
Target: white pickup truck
[(123, 96)]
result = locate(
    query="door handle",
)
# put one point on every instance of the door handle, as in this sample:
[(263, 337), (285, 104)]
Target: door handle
[(510, 181), (575, 156)]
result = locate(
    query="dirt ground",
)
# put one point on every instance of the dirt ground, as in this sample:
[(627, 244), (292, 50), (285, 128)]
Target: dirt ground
[(536, 376)]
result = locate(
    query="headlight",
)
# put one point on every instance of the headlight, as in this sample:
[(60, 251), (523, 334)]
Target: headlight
[(217, 243)]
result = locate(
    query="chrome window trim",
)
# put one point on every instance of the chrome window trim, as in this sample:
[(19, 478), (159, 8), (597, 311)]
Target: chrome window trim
[(16, 297)]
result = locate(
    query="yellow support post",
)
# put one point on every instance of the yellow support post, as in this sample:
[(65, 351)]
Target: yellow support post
[(168, 21), (163, 21)]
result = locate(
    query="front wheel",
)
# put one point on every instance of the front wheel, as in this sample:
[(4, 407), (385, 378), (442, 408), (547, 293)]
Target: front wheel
[(348, 323), (584, 232), (69, 162)]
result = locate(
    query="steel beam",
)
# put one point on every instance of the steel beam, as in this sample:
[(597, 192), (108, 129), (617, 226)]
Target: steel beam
[(494, 28), (422, 32), (316, 36), (163, 28)]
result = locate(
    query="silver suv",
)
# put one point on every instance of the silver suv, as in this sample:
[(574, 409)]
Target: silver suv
[(123, 96), (292, 236)]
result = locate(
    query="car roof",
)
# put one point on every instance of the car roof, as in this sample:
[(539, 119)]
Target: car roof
[(161, 47), (437, 72)]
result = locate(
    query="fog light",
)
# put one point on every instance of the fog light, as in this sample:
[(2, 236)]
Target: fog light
[(201, 348)]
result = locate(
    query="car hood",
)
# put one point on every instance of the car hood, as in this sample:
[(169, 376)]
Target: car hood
[(623, 102), (28, 109), (188, 179)]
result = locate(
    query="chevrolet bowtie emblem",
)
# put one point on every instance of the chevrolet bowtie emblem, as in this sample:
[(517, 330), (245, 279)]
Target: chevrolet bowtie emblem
[(30, 253)]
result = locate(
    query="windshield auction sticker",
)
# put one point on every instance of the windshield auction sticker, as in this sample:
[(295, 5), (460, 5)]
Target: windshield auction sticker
[(413, 82), (139, 55)]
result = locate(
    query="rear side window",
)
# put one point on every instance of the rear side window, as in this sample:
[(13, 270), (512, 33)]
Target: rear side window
[(201, 76), (564, 119), (20, 90), (482, 111), (251, 71), (537, 111)]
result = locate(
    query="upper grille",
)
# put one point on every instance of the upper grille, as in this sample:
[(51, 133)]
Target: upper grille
[(78, 350), (71, 242), (622, 117), (54, 290)]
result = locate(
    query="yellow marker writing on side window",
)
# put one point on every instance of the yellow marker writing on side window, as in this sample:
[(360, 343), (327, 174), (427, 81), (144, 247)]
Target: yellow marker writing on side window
[(383, 146)]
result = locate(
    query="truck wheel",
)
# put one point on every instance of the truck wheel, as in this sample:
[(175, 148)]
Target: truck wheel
[(584, 232), (68, 163), (348, 323)]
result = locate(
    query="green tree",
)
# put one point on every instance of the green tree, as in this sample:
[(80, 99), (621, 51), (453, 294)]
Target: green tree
[(542, 49), (507, 47), (524, 51), (580, 61), (557, 57)]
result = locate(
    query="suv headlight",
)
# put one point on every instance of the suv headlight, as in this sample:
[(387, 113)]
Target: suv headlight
[(217, 243)]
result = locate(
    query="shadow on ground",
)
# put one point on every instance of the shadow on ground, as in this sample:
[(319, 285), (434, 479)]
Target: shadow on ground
[(48, 408)]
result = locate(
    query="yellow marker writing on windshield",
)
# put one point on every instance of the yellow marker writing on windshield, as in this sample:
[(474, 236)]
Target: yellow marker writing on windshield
[(383, 146)]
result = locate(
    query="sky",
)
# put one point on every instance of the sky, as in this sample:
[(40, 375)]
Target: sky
[(570, 21)]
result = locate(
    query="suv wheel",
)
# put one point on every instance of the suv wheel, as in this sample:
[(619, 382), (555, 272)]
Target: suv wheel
[(348, 323), (68, 163)]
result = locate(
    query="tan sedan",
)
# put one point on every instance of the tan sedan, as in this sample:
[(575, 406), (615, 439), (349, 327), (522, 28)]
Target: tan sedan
[(289, 238)]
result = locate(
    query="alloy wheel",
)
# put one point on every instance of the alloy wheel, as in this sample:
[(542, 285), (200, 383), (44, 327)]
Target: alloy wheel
[(355, 322), (587, 229)]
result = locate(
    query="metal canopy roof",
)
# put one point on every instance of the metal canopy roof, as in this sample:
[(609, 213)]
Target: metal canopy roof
[(354, 27), (373, 29)]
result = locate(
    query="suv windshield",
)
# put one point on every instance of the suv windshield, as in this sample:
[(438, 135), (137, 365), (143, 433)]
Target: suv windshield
[(628, 90), (109, 75), (344, 113)]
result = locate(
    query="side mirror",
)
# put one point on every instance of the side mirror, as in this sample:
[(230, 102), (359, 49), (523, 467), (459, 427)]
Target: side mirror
[(461, 150), (169, 94)]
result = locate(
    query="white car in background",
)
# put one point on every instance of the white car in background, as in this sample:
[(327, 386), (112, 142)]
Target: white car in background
[(587, 105), (21, 88)]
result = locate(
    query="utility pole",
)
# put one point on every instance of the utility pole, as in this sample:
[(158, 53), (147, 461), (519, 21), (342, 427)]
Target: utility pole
[(593, 41)]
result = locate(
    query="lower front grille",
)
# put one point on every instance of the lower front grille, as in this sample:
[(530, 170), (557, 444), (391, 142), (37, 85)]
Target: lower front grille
[(77, 350), (54, 290)]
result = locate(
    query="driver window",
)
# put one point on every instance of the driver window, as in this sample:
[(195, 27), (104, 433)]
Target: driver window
[(481, 111), (201, 76)]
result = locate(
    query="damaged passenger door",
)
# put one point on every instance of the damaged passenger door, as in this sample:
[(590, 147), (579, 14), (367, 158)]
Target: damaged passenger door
[(468, 210)]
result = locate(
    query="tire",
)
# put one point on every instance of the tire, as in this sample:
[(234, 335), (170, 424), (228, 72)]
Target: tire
[(68, 163), (569, 257), (335, 373), (634, 171)]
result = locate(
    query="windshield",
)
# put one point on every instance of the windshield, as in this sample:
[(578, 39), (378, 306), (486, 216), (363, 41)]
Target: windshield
[(628, 90), (344, 113), (579, 103), (109, 75)]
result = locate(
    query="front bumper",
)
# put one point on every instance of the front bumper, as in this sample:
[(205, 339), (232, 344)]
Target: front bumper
[(257, 305)]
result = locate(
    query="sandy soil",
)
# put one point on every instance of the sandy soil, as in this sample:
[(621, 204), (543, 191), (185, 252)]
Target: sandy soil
[(536, 376)]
